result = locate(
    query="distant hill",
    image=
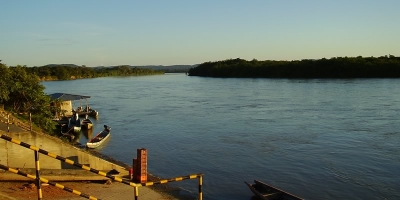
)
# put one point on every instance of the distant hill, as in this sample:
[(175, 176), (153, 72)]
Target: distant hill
[(59, 65), (170, 68), (166, 69)]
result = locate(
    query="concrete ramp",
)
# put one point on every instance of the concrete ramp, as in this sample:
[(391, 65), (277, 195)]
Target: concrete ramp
[(16, 156)]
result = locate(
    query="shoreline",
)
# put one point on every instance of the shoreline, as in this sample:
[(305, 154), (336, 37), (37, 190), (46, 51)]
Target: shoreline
[(11, 188), (164, 189)]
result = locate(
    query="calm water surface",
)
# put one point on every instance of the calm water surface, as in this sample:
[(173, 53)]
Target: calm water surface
[(318, 139)]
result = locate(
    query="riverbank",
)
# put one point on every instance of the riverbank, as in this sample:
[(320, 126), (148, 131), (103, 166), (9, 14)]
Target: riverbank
[(20, 188)]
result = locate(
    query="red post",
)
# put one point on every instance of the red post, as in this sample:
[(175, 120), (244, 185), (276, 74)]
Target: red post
[(142, 165), (131, 173)]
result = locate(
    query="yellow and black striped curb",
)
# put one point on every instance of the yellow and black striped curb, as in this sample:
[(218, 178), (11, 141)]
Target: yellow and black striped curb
[(71, 162), (181, 178), (68, 161), (48, 182)]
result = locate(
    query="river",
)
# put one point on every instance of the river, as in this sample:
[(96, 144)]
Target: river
[(317, 139)]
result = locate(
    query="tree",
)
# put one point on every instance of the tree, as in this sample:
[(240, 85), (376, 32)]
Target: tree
[(4, 83), (62, 73), (26, 95)]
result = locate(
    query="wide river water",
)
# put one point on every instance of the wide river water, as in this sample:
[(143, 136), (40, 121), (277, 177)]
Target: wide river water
[(317, 139)]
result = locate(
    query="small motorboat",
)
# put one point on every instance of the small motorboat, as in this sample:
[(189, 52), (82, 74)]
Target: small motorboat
[(75, 123), (267, 192), (99, 138), (86, 123), (87, 111)]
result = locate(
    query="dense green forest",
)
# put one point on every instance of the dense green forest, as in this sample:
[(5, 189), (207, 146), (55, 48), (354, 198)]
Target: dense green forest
[(69, 72), (337, 67)]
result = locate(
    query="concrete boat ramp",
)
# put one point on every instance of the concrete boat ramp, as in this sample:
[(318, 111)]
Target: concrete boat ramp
[(23, 159)]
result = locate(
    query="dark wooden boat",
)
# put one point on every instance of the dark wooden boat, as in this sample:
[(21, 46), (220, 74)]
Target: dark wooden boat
[(86, 123), (87, 111), (267, 192), (99, 138), (67, 132)]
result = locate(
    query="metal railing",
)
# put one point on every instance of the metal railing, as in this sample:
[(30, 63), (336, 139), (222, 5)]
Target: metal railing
[(8, 119), (40, 179), (84, 167)]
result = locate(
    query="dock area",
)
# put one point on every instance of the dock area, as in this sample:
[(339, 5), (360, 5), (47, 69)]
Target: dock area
[(14, 186)]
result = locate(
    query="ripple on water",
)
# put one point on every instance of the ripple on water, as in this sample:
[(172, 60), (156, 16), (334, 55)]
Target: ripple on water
[(318, 139)]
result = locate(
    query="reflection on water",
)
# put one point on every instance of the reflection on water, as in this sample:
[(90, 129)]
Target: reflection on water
[(88, 133), (77, 136)]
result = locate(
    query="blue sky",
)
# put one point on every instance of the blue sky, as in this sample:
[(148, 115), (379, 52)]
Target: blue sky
[(169, 32)]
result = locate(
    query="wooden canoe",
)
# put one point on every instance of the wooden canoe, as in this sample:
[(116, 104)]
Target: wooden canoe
[(99, 138), (87, 124), (267, 192)]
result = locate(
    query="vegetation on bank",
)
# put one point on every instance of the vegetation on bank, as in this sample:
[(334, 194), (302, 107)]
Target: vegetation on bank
[(22, 93), (70, 72), (337, 67)]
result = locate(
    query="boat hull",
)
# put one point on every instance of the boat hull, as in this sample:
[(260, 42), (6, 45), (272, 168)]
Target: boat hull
[(267, 192), (99, 139), (86, 124)]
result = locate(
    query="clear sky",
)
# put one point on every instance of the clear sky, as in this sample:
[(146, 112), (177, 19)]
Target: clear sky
[(168, 32)]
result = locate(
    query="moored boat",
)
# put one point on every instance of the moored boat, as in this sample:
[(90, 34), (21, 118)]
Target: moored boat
[(67, 132), (86, 123), (75, 123), (99, 138), (267, 192), (87, 111), (66, 107)]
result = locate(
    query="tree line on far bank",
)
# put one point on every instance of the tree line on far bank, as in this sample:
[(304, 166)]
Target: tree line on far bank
[(69, 72), (337, 67)]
